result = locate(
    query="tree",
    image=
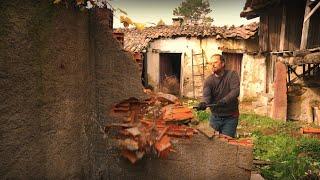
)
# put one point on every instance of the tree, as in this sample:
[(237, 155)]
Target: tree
[(194, 11), (161, 23)]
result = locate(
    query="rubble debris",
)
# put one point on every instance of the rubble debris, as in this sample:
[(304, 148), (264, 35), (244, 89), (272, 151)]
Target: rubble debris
[(176, 113), (147, 125), (130, 144), (163, 144), (134, 131), (209, 132), (122, 125), (167, 97), (162, 133)]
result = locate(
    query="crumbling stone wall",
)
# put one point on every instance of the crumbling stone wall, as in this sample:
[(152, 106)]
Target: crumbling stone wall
[(301, 103), (56, 82)]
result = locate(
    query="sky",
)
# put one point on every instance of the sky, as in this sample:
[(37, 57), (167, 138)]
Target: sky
[(224, 12)]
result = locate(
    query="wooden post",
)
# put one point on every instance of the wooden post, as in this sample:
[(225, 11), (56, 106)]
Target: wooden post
[(305, 29), (283, 27), (279, 108), (289, 79)]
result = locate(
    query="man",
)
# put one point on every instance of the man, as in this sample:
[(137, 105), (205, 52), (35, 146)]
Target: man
[(222, 89)]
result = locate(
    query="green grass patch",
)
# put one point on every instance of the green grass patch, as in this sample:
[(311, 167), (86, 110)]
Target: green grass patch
[(292, 155), (202, 116)]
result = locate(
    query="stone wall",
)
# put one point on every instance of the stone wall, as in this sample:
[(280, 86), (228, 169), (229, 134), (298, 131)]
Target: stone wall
[(301, 102), (253, 77), (253, 66)]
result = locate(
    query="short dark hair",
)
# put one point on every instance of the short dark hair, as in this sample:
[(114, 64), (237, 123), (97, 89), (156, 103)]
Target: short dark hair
[(222, 58)]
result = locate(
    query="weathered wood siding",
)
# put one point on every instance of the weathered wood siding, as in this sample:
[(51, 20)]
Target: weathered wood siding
[(270, 27), (294, 24), (314, 31)]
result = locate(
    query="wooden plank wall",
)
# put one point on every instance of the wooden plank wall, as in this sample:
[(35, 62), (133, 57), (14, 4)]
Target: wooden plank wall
[(270, 26), (275, 18), (263, 33), (295, 16), (314, 31)]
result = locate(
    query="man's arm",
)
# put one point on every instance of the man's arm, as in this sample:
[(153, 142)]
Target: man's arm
[(235, 88), (207, 91)]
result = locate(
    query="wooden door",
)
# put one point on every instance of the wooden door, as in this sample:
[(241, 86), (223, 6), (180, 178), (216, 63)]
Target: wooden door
[(233, 61)]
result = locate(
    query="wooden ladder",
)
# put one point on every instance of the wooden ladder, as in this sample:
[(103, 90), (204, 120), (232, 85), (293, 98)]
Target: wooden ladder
[(193, 58)]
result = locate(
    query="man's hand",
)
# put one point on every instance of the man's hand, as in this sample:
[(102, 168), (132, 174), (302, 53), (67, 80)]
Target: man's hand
[(221, 103), (202, 106)]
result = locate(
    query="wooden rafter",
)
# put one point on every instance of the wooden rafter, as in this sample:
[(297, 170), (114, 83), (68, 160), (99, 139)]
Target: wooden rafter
[(305, 28), (311, 12), (299, 76)]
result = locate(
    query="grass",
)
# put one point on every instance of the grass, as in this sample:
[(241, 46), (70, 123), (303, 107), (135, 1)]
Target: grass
[(292, 155)]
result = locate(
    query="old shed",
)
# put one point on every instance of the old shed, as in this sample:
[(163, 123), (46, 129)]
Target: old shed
[(176, 58), (289, 38)]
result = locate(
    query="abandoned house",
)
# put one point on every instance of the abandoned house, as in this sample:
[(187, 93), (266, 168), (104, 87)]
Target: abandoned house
[(289, 38), (176, 58)]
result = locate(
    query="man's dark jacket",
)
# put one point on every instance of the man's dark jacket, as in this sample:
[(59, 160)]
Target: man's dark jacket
[(225, 88)]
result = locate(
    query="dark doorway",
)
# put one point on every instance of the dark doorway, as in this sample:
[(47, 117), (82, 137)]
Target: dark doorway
[(233, 61), (170, 69)]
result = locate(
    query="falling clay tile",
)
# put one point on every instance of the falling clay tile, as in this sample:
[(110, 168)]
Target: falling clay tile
[(134, 131), (130, 144), (178, 116), (163, 144), (162, 133)]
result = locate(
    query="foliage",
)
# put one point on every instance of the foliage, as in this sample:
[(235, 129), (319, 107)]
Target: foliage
[(85, 3), (161, 23), (194, 11), (126, 21), (292, 155), (202, 115), (139, 26)]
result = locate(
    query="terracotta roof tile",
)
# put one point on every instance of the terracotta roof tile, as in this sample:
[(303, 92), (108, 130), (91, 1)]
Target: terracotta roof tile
[(136, 40)]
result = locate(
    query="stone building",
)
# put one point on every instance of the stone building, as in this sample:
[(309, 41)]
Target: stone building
[(184, 51)]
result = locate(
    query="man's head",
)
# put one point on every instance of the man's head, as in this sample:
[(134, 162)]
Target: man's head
[(218, 63)]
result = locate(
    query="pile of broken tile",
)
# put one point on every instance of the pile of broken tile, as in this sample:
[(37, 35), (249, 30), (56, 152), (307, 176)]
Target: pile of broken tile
[(147, 126)]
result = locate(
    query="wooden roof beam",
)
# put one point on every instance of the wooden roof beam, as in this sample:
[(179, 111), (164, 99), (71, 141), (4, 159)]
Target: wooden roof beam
[(305, 28), (312, 12)]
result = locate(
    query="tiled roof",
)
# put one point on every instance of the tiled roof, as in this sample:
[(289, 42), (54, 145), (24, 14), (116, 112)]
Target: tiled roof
[(137, 40)]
